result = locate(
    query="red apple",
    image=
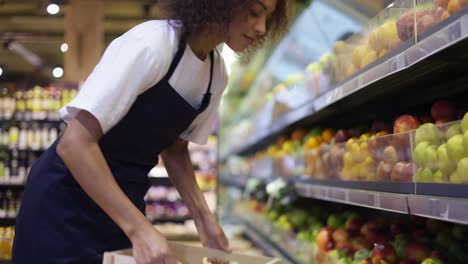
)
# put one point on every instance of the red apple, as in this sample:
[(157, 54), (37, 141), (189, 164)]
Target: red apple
[(402, 172), (425, 22), (361, 243), (383, 171), (405, 25), (341, 136), (383, 251), (340, 235), (346, 247), (324, 239), (353, 225), (403, 124), (444, 110), (416, 252)]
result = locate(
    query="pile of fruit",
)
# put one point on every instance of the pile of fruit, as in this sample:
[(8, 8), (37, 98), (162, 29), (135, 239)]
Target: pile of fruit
[(436, 151), (399, 26), (362, 236)]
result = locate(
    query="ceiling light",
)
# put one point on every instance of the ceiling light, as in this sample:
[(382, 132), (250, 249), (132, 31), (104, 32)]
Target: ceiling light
[(1, 71), (57, 72), (53, 9), (64, 47)]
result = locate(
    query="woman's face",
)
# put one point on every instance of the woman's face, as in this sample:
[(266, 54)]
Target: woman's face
[(249, 24)]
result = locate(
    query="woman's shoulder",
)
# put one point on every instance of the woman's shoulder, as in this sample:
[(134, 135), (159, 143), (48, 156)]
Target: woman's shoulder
[(220, 63), (160, 35)]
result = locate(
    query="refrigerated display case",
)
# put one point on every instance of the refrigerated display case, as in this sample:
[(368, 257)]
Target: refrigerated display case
[(364, 111)]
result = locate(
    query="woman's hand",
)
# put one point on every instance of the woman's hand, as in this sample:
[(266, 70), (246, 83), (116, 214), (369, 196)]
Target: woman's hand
[(150, 247), (211, 234)]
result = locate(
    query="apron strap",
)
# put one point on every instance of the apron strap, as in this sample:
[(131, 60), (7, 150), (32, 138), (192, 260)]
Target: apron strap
[(176, 59), (207, 97)]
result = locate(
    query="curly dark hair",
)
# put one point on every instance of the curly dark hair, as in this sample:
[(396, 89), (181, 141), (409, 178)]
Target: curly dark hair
[(195, 14)]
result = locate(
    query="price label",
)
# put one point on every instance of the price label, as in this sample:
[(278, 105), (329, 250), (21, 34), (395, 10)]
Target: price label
[(377, 200), (434, 207), (454, 32), (370, 199), (324, 192), (374, 199)]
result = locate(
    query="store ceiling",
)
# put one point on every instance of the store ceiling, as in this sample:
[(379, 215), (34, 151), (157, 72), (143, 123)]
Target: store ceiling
[(28, 22)]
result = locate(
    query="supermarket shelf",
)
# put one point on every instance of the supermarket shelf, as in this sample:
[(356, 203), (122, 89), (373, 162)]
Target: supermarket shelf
[(391, 187), (441, 189), (7, 221), (161, 181), (408, 72), (176, 220), (377, 200), (441, 208), (12, 186), (233, 180), (264, 242)]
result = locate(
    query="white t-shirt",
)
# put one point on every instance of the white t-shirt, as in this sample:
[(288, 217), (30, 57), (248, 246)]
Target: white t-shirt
[(136, 61)]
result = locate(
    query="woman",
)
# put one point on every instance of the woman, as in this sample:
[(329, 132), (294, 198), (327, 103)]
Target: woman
[(156, 88)]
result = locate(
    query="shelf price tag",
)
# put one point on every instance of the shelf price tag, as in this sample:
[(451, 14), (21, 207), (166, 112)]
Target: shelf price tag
[(434, 207), (374, 199), (454, 32)]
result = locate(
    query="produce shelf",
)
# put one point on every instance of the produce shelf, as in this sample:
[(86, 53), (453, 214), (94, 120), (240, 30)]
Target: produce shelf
[(446, 209), (441, 208), (264, 242), (377, 200), (233, 180), (160, 181), (177, 220), (7, 221), (11, 186), (391, 187), (427, 61)]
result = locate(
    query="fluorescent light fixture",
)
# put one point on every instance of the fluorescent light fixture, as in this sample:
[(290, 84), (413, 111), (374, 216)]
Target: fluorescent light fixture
[(57, 72), (64, 47), (53, 9)]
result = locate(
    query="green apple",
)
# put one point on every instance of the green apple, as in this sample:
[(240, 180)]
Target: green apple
[(453, 130), (446, 165), (418, 154), (464, 123), (455, 149), (425, 175), (454, 178), (430, 157), (462, 169), (465, 141), (439, 177), (428, 132)]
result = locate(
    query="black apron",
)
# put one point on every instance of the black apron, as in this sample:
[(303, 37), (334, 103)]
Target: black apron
[(58, 222)]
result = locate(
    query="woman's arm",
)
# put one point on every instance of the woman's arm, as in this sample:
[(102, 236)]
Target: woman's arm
[(177, 161), (79, 149)]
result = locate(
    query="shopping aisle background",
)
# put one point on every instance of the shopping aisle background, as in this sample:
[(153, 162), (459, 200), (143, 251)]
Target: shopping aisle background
[(343, 142)]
